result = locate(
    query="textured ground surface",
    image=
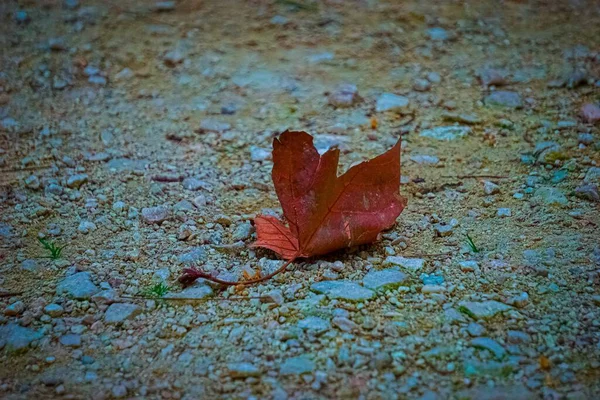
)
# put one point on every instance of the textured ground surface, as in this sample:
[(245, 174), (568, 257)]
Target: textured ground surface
[(107, 112)]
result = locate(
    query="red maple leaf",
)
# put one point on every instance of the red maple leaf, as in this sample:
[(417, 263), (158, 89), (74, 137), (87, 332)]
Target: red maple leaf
[(324, 211)]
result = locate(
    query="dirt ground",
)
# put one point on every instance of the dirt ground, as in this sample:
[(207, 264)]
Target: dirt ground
[(138, 134)]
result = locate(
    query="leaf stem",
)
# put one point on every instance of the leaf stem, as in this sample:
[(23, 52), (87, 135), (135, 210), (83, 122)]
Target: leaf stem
[(476, 176), (238, 298), (191, 274), (10, 294)]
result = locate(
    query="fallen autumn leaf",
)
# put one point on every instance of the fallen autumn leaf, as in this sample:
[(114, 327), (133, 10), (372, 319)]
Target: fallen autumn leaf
[(325, 212)]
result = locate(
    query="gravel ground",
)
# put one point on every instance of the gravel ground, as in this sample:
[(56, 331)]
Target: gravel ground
[(138, 135)]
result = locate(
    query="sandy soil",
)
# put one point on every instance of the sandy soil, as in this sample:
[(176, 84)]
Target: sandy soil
[(138, 134)]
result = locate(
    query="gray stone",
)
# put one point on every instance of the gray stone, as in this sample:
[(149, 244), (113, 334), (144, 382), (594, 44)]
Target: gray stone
[(164, 6), (57, 44), (119, 312), (75, 181), (484, 309), (344, 290), (53, 189), (585, 138), (183, 205), (242, 231), (517, 337), (504, 98), (98, 80), (385, 279), (324, 142), (431, 288), (155, 215), (275, 296), (124, 74), (105, 297), (265, 80), (432, 279), (78, 286), (489, 344), (391, 102), (29, 265), (492, 77), (242, 370), (443, 230), (126, 164), (199, 290), (590, 113), (550, 196), (504, 212), (588, 192), (14, 309), (161, 275), (438, 34), (195, 255), (344, 324), (434, 77), (490, 188), (21, 17), (32, 182), (453, 316), (9, 124), (86, 226), (259, 153), (592, 175), (425, 159), (6, 231), (421, 85), (173, 57), (54, 310), (195, 184), (446, 133), (70, 340), (119, 391), (521, 300), (119, 206), (279, 20), (317, 324), (411, 264), (320, 57), (297, 366), (17, 338), (468, 119), (469, 266), (345, 95), (542, 152), (269, 266), (474, 329)]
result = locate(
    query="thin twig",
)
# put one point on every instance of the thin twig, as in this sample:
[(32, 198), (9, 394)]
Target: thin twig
[(34, 168), (11, 294), (476, 176), (191, 274), (428, 255), (196, 299)]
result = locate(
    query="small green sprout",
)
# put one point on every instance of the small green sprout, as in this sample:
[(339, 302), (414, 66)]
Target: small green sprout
[(472, 244), (55, 251), (307, 6), (157, 291), (466, 311)]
